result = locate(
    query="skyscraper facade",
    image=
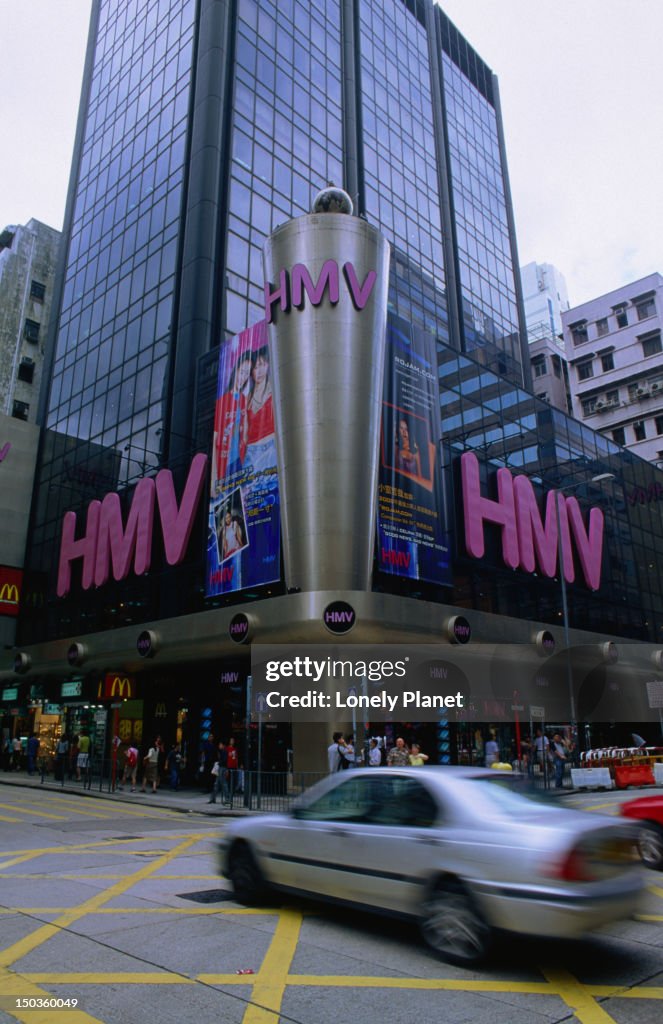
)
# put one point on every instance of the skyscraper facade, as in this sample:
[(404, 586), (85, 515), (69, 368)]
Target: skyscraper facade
[(203, 127)]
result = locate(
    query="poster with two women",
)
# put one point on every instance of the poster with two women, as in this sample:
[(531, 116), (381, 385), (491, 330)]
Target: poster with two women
[(243, 548)]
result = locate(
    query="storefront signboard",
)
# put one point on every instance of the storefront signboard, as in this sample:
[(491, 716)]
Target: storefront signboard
[(11, 581), (412, 533), (10, 693), (72, 689), (243, 546)]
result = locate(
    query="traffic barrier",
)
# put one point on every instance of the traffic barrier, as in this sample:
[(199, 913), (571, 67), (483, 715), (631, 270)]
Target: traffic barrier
[(588, 778), (633, 775)]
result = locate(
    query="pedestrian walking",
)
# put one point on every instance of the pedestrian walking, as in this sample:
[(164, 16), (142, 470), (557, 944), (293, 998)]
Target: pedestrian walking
[(417, 759), (559, 756), (32, 752), (83, 759), (232, 758), (151, 767), (334, 752), (398, 756), (61, 757), (374, 754), (130, 767), (173, 763), (220, 775)]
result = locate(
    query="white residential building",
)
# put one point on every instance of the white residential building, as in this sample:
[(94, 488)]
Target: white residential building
[(615, 355)]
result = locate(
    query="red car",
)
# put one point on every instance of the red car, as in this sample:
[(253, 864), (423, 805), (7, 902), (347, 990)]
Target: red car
[(648, 810)]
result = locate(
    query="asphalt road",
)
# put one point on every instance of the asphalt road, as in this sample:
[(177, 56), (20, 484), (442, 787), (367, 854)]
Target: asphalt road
[(117, 905)]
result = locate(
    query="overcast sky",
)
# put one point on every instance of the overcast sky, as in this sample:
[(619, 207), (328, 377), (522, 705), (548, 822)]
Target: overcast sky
[(581, 84)]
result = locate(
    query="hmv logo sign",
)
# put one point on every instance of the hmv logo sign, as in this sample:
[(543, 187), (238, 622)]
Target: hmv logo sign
[(529, 541), (109, 544), (238, 630), (295, 286), (339, 617)]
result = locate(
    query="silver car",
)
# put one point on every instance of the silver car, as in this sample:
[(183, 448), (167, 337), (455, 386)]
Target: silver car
[(459, 849)]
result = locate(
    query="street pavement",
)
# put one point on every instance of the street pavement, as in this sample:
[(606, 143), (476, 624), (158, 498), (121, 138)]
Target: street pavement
[(115, 900)]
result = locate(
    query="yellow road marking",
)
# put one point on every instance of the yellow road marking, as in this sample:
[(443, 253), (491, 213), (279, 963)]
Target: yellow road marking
[(193, 909), (600, 807), (20, 859), (109, 844), (270, 984), (107, 877), (130, 978), (656, 889), (19, 986), (27, 809), (637, 992), (37, 938), (577, 998), (5, 817), (544, 988)]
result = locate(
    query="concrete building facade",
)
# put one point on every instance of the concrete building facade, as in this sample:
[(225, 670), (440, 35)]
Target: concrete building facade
[(28, 261)]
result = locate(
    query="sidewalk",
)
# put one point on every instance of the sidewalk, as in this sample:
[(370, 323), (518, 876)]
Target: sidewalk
[(187, 801)]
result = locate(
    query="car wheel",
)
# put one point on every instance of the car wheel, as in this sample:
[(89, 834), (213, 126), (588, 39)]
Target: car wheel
[(650, 845), (247, 881), (452, 926)]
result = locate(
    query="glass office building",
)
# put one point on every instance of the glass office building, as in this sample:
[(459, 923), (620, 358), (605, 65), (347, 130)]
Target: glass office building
[(203, 126)]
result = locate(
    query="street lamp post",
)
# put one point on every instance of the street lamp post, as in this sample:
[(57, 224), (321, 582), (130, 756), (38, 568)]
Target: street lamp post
[(565, 607)]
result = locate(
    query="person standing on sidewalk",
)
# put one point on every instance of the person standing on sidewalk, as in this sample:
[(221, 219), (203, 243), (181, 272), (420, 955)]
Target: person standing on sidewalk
[(83, 759), (559, 759), (130, 767), (173, 763), (221, 776), (232, 760), (151, 767), (33, 750)]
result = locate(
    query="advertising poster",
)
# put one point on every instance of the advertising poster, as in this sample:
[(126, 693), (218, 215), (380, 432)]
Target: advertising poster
[(412, 533), (244, 524)]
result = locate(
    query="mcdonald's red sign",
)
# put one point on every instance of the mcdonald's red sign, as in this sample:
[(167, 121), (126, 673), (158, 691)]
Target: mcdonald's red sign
[(117, 686), (10, 590)]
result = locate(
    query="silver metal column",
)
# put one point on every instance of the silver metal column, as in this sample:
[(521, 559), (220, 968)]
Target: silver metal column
[(327, 377)]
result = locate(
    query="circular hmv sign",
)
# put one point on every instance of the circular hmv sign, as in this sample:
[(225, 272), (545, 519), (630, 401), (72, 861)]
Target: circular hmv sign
[(239, 628), (75, 654), (459, 630), (147, 643), (339, 617), (545, 642)]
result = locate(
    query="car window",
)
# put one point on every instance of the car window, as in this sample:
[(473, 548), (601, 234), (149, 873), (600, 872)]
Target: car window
[(349, 801), (401, 801), (506, 797)]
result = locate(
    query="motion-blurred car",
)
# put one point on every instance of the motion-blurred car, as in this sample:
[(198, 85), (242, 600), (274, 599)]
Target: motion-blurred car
[(648, 810), (455, 848)]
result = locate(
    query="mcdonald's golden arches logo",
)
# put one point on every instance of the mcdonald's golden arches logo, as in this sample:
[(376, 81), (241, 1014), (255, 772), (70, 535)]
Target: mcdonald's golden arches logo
[(117, 686), (10, 590)]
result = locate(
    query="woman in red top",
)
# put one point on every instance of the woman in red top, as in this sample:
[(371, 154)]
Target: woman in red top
[(230, 422), (260, 415)]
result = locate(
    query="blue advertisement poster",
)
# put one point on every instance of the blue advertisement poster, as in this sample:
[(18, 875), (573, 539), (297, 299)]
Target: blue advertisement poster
[(412, 533), (243, 547)]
